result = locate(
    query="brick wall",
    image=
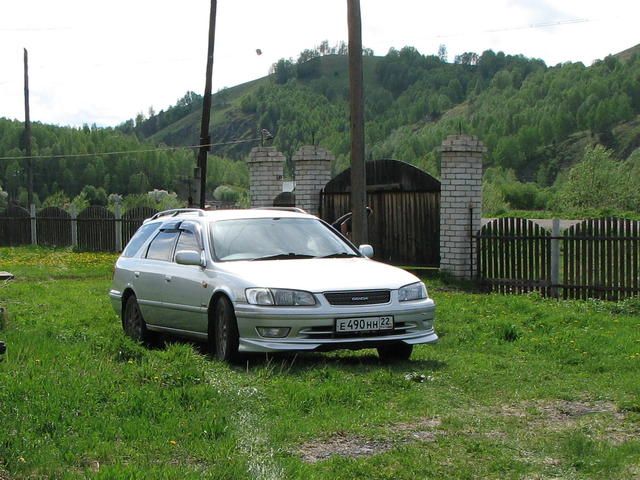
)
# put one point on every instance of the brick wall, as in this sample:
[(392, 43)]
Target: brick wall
[(265, 175), (313, 171), (460, 203)]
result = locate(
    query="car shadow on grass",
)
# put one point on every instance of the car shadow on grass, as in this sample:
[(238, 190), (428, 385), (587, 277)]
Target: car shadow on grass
[(301, 362), (298, 362)]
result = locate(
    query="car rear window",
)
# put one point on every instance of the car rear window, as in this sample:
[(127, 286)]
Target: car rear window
[(161, 247), (138, 239)]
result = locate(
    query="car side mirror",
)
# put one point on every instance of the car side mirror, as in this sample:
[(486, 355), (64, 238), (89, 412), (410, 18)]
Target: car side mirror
[(366, 250), (189, 257)]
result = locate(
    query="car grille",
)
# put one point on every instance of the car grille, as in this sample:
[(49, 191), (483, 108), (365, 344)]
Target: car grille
[(367, 297)]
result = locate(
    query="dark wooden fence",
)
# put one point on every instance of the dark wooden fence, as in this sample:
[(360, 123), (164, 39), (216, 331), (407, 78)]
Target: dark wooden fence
[(514, 256), (592, 259), (94, 229), (54, 227), (602, 259), (15, 227)]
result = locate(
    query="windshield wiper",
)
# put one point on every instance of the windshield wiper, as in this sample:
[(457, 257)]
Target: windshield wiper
[(283, 256), (339, 255)]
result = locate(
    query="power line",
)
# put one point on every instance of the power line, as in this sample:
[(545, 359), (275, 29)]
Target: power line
[(126, 152)]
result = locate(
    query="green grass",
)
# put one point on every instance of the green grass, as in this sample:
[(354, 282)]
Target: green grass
[(518, 387)]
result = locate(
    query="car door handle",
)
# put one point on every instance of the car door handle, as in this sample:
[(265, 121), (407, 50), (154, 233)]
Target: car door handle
[(167, 278), (136, 274)]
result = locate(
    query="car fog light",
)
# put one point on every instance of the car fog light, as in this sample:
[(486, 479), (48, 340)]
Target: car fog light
[(273, 332)]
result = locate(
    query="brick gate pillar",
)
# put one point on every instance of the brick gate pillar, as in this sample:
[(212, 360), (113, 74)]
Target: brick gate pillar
[(265, 175), (460, 203), (313, 171)]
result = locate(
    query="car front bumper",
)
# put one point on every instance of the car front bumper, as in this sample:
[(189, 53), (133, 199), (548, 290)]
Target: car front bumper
[(313, 328)]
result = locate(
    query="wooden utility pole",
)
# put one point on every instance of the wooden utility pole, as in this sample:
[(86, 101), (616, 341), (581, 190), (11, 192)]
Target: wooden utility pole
[(205, 139), (358, 174), (27, 130)]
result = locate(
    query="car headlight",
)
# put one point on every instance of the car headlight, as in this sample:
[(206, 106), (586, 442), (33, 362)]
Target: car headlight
[(414, 291), (279, 296)]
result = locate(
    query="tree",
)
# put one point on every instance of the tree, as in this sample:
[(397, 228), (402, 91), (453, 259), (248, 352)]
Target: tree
[(592, 183), (442, 52), (283, 70)]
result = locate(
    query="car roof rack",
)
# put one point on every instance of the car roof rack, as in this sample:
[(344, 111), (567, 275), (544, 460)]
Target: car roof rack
[(176, 211), (283, 209)]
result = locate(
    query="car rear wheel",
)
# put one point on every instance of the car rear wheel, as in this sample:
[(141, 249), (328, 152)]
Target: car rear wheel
[(133, 322), (225, 331), (395, 352)]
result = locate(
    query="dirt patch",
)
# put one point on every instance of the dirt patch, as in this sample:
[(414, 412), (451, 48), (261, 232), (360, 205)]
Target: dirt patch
[(343, 445), (602, 417), (559, 411), (353, 446), (564, 410), (424, 430)]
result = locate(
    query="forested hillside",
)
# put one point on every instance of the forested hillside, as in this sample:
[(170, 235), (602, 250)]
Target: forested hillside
[(537, 122)]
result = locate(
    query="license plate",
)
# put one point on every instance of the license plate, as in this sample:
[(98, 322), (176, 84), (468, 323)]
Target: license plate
[(364, 324)]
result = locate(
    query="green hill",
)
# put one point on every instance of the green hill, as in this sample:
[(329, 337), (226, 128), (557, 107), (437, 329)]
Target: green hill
[(533, 118), (536, 121)]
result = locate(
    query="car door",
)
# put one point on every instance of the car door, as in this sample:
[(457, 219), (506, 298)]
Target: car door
[(149, 277), (185, 286)]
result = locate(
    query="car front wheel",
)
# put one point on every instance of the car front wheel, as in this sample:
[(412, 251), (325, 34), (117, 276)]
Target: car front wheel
[(225, 331), (395, 352)]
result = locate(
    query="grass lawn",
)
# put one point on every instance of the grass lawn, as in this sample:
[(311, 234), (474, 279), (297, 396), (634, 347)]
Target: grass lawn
[(517, 387)]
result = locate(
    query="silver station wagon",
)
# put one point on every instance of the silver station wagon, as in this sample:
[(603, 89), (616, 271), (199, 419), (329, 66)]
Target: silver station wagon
[(265, 280)]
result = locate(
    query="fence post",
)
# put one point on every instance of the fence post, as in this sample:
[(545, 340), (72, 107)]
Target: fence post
[(118, 226), (34, 232), (74, 227), (555, 257)]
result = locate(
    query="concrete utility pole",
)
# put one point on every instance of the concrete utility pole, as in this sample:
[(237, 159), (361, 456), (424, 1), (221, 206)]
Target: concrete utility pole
[(27, 130), (205, 139), (358, 173)]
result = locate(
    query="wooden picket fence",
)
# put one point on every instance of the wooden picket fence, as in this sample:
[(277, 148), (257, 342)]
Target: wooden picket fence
[(596, 258), (94, 229)]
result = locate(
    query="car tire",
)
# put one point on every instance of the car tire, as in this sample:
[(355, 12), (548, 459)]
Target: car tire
[(133, 322), (395, 352), (225, 331)]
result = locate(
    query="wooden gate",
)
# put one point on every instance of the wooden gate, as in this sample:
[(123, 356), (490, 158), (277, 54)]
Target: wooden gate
[(96, 230), (132, 220), (15, 227), (404, 226), (54, 227)]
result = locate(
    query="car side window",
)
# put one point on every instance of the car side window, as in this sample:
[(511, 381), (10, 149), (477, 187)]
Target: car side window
[(187, 241), (141, 236), (161, 247)]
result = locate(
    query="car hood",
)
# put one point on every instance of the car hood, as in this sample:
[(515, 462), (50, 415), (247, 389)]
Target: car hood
[(319, 274)]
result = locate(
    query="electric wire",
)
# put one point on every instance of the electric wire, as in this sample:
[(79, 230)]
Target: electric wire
[(127, 152)]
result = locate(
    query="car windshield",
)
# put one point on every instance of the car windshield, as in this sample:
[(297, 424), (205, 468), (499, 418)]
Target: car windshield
[(276, 239)]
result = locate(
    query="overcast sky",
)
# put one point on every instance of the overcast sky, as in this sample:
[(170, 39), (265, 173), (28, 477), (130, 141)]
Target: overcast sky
[(103, 62)]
